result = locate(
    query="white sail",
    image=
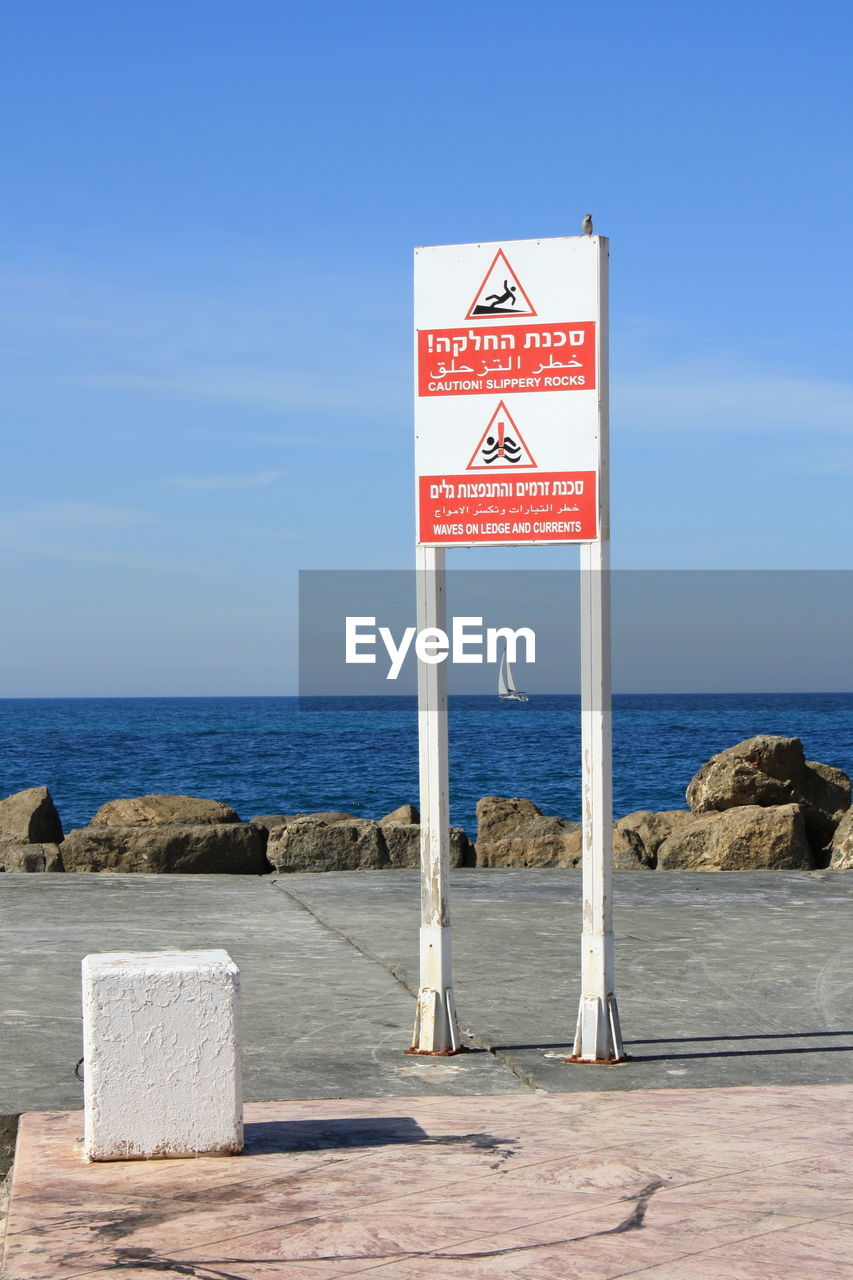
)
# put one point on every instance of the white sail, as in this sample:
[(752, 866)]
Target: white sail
[(506, 683)]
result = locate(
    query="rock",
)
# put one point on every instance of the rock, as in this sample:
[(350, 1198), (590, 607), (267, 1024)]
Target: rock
[(561, 849), (333, 816), (771, 771), (652, 828), (629, 852), (403, 843), (29, 817), (343, 842), (825, 799), (274, 822), (406, 814), (462, 851), (327, 842), (511, 818), (232, 848), (512, 832), (842, 844), (746, 838), (33, 857), (159, 811)]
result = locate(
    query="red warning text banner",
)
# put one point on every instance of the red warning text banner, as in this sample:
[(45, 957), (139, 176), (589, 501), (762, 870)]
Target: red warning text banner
[(516, 357), (555, 506)]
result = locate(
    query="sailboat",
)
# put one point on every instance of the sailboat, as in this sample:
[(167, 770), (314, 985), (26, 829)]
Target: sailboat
[(506, 684)]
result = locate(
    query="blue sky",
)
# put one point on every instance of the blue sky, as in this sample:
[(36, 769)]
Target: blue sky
[(208, 219)]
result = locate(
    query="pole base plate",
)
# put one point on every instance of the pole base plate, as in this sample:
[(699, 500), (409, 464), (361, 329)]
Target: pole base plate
[(598, 1038), (436, 1025), (438, 1053)]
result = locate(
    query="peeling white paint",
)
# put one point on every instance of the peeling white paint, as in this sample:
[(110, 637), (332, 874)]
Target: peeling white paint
[(598, 1037), (436, 1025)]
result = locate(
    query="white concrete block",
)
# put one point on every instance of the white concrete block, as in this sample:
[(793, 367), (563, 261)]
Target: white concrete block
[(161, 1043)]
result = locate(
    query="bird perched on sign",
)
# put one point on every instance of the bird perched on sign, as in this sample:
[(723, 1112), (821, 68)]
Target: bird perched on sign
[(587, 225)]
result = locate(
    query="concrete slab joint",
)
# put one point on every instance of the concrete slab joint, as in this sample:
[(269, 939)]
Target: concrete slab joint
[(162, 1063)]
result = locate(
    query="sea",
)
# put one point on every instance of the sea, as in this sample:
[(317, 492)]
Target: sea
[(360, 755)]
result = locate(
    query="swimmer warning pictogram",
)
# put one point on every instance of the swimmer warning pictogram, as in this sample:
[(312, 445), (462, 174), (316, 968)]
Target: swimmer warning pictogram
[(501, 293), (501, 445)]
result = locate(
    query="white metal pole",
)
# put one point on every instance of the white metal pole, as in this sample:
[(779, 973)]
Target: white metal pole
[(436, 1026), (598, 1037)]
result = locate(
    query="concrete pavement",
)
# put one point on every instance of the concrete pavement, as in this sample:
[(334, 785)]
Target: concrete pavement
[(719, 1150), (743, 978), (673, 1184)]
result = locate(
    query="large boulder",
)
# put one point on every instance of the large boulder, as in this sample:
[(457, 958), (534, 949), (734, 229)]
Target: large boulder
[(825, 796), (770, 771), (564, 848), (344, 842), (513, 832), (842, 844), (33, 857), (629, 852), (273, 822), (162, 810), (512, 818), (651, 829), (29, 817), (232, 848), (560, 849), (747, 838), (405, 815), (327, 842), (403, 843), (401, 832)]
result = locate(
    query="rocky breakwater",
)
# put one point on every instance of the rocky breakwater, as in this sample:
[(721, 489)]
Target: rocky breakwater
[(344, 842), (167, 834), (512, 832), (163, 834), (759, 805)]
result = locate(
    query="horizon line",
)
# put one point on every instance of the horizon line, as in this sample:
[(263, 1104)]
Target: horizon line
[(298, 697)]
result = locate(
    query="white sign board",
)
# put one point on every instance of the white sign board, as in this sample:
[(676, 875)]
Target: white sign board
[(508, 344)]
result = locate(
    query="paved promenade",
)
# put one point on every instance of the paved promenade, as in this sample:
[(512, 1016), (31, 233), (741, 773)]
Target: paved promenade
[(741, 1184), (743, 978), (720, 1149)]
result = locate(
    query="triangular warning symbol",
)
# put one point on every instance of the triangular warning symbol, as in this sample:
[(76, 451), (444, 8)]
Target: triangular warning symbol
[(501, 445), (501, 293)]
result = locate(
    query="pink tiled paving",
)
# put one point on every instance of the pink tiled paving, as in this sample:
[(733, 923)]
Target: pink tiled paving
[(746, 1184)]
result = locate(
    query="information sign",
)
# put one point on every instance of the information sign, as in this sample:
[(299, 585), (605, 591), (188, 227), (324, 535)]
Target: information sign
[(507, 350), (511, 449)]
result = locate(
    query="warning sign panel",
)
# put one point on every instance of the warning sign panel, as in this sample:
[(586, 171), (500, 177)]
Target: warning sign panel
[(501, 445), (552, 507), (524, 357), (501, 293), (520, 324)]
